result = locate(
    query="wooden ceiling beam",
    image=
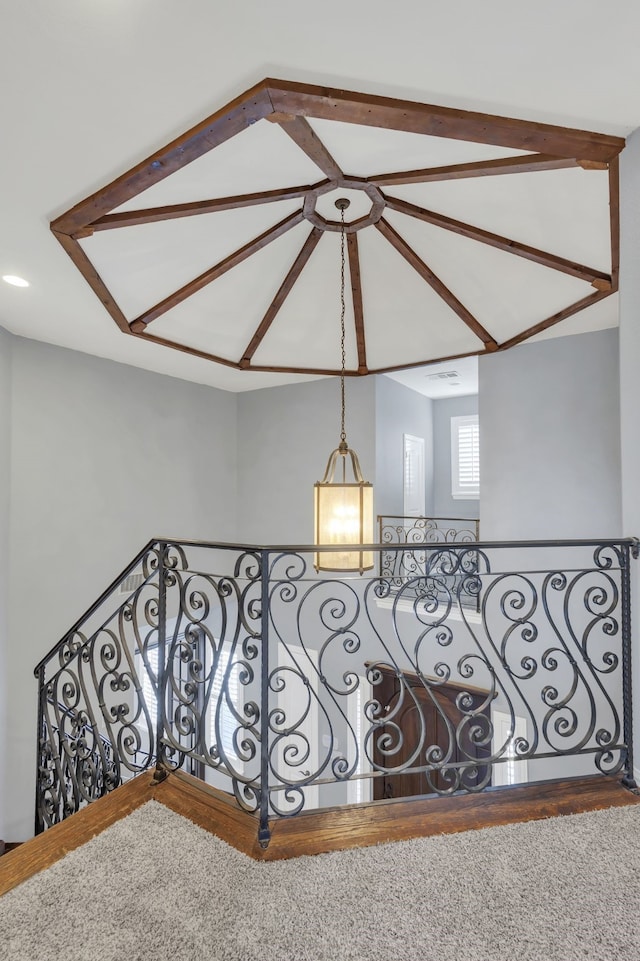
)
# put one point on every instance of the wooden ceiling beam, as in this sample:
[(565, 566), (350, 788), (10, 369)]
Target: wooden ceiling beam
[(131, 218), (315, 371), (93, 278), (346, 106), (588, 274), (356, 293), (431, 360), (309, 142), (213, 273), (427, 274), (184, 349), (556, 318), (285, 289), (225, 123), (377, 370), (614, 215), (481, 168)]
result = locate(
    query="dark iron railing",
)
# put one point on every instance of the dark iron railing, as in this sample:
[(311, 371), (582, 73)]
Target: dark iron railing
[(394, 529), (292, 689)]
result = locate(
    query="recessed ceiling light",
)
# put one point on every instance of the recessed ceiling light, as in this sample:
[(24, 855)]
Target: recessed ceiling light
[(15, 281)]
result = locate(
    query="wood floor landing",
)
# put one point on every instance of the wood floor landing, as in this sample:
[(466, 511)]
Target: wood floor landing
[(318, 832)]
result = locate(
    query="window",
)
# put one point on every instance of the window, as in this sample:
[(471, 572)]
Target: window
[(465, 457), (228, 723), (148, 691)]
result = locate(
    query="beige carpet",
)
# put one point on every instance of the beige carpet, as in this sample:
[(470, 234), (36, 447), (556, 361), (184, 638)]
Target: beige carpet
[(155, 886)]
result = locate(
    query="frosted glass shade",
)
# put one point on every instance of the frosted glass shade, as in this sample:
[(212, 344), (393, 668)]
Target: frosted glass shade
[(343, 515)]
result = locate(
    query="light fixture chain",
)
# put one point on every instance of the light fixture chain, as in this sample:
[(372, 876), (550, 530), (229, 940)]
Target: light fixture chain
[(343, 435)]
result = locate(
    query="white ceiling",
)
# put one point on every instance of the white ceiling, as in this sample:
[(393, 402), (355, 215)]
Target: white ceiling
[(90, 89), (453, 378)]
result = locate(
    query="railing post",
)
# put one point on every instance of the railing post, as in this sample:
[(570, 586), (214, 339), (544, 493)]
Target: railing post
[(264, 834), (160, 771), (39, 820), (628, 779)]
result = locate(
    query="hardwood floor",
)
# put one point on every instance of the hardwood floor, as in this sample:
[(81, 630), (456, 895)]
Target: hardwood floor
[(330, 829)]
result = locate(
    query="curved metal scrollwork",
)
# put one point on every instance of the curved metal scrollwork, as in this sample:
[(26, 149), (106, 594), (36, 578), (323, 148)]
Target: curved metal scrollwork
[(291, 689), (210, 696), (399, 566)]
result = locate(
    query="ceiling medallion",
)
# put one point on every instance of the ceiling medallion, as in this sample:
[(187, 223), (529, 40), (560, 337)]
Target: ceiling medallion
[(386, 219)]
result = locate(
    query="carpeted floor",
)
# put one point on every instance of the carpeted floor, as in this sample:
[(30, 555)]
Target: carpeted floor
[(155, 886)]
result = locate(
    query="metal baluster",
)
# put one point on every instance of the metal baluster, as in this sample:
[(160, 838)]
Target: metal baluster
[(39, 820), (628, 779), (264, 834), (161, 772)]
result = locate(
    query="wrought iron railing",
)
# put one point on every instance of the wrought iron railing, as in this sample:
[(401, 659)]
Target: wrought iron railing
[(293, 689), (394, 529)]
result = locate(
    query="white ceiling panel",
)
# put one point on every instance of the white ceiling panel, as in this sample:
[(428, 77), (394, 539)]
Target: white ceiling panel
[(505, 293), (565, 212), (142, 265), (306, 331), (223, 316), (261, 157), (405, 321), (366, 151), (598, 316)]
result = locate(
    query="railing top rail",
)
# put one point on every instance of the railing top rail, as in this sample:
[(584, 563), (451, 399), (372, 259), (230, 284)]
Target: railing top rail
[(260, 549), (425, 517), (94, 607), (471, 545)]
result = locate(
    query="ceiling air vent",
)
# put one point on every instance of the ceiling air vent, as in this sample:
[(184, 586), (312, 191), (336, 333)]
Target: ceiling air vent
[(131, 583), (444, 375)]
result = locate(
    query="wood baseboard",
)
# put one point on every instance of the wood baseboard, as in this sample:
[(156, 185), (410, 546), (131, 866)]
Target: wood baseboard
[(399, 820), (361, 825), (331, 829), (40, 852)]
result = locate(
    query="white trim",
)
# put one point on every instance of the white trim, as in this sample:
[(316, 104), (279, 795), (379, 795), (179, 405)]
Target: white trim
[(406, 605), (465, 488), (359, 791), (508, 771)]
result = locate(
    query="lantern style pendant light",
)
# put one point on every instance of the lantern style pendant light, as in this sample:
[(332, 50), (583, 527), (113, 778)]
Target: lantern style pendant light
[(343, 510)]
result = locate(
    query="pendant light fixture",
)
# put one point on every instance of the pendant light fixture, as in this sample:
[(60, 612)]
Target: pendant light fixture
[(343, 509)]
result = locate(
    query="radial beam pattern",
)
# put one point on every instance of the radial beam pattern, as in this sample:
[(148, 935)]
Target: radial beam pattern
[(467, 233)]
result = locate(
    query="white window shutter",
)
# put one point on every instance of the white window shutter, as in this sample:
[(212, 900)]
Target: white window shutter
[(465, 457)]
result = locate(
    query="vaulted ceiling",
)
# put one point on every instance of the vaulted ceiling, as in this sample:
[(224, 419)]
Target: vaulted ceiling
[(483, 187)]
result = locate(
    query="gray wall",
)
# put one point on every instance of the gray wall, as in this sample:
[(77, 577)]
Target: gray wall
[(629, 367), (6, 341), (104, 457), (550, 439), (285, 436), (400, 410), (443, 410)]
